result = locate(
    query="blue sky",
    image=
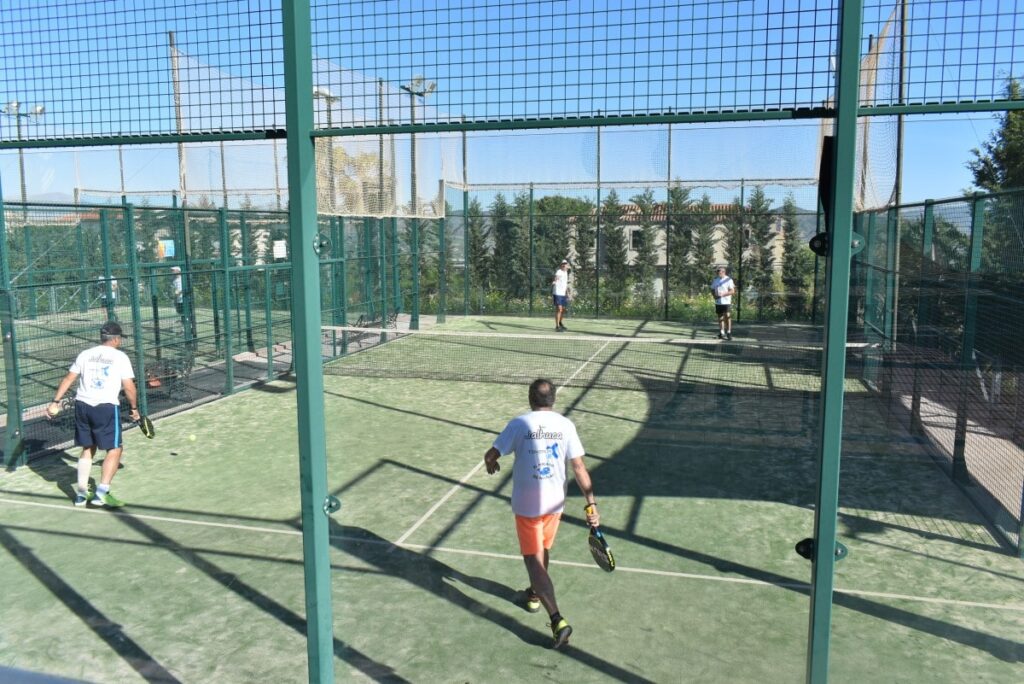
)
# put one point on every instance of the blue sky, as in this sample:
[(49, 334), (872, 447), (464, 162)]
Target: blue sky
[(102, 67)]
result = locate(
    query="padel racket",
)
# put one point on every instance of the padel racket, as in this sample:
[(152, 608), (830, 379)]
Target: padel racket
[(146, 425), (599, 548)]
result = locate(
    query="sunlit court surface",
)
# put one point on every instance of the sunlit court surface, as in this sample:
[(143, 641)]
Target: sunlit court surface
[(704, 471)]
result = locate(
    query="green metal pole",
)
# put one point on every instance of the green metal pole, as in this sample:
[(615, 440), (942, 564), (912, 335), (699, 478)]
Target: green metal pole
[(225, 264), (108, 290), (837, 287), (250, 343), (366, 266), (305, 276), (465, 245), (739, 256), (892, 248), (442, 271), (382, 268), (29, 270), (338, 302), (414, 315), (268, 318), (869, 279), (532, 255), (14, 455), (396, 275), (960, 473), (924, 297), (133, 280)]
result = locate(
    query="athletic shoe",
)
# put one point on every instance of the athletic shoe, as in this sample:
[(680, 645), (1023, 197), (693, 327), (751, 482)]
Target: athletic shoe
[(81, 498), (532, 601), (562, 327), (561, 633), (721, 336), (728, 336), (106, 499)]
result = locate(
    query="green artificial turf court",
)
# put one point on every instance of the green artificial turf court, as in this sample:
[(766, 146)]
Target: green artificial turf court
[(704, 487)]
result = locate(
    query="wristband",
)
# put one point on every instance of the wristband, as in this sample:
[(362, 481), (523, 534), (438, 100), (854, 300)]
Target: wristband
[(586, 509)]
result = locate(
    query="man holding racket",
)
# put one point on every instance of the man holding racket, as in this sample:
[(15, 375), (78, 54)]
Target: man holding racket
[(560, 293), (102, 372), (544, 442)]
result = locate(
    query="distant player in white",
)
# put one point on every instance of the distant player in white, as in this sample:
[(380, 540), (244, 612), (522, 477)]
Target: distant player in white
[(723, 288), (544, 442), (560, 293), (102, 372)]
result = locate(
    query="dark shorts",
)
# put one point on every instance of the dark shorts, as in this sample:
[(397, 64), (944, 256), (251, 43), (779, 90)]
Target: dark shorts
[(722, 309), (98, 426), (560, 300)]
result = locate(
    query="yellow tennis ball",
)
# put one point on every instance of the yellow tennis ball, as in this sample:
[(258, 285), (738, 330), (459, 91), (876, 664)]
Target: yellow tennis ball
[(53, 409), (191, 438)]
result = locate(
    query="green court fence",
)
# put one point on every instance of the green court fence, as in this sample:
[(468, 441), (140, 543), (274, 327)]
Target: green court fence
[(939, 288)]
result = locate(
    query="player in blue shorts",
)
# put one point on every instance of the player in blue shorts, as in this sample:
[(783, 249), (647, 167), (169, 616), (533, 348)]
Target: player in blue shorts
[(102, 373), (560, 293)]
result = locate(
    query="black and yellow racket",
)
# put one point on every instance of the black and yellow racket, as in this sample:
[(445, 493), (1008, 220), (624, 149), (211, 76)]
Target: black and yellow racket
[(146, 426), (599, 548)]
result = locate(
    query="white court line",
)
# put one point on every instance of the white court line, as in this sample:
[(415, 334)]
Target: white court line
[(574, 564), (471, 473)]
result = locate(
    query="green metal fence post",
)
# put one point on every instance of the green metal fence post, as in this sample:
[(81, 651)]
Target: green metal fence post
[(891, 250), (250, 344), (924, 298), (382, 269), (414, 240), (225, 264), (869, 277), (14, 454), (960, 473), (396, 275), (108, 288), (128, 212), (837, 287), (29, 270), (268, 318), (442, 270), (465, 244), (533, 257), (305, 276)]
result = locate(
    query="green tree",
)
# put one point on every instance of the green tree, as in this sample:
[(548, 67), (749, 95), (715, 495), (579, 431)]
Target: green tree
[(999, 165), (584, 277), (796, 261), (613, 252), (478, 251), (761, 273), (511, 251), (646, 261), (703, 224), (680, 239)]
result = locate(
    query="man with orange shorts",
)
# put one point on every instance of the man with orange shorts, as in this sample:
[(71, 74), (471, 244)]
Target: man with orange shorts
[(543, 442)]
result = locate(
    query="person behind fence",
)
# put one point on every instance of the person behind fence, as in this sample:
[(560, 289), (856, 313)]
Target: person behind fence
[(102, 373), (560, 293), (723, 288), (544, 442), (179, 296)]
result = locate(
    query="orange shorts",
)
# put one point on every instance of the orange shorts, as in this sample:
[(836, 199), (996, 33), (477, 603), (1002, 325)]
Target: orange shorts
[(537, 534)]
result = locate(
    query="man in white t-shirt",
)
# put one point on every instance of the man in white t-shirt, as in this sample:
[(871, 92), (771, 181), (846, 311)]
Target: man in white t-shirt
[(560, 293), (102, 372), (544, 442), (723, 288)]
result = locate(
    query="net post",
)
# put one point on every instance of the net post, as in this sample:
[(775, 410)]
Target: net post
[(923, 313), (14, 455), (128, 212), (225, 263), (960, 472), (108, 285)]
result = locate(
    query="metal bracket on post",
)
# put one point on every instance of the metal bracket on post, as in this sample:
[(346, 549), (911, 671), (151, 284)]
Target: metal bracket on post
[(821, 246), (322, 245), (331, 505), (805, 549)]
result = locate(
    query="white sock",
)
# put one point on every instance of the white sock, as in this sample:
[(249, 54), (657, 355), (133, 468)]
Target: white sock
[(102, 489), (84, 468)]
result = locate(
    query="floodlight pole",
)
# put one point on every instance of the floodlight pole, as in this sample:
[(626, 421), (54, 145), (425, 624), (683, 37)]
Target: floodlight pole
[(329, 100), (13, 109), (416, 88)]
